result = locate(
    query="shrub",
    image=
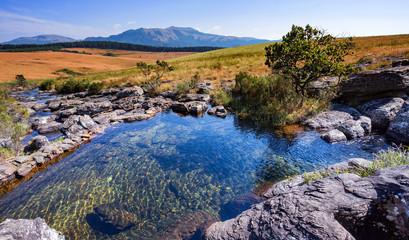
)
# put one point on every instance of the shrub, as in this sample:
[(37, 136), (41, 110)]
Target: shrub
[(152, 83), (73, 86), (272, 98), (223, 98), (186, 85), (13, 122), (46, 85), (95, 87), (21, 80), (109, 54)]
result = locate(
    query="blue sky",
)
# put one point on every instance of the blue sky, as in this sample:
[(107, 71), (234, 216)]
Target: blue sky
[(245, 18)]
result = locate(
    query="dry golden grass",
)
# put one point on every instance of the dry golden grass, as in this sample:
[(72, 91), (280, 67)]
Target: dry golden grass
[(40, 65), (219, 65)]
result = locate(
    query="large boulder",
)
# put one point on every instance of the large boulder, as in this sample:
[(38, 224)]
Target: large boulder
[(194, 108), (344, 118), (50, 127), (390, 81), (24, 229), (381, 111), (75, 125), (94, 108), (38, 142), (342, 206), (115, 216), (398, 129), (333, 119), (130, 92), (6, 142)]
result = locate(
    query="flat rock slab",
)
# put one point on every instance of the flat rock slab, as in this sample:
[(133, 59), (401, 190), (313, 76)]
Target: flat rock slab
[(343, 206), (398, 129)]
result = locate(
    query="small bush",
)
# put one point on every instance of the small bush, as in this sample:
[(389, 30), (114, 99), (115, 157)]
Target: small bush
[(389, 158), (95, 88), (68, 71), (73, 86), (21, 80), (46, 85), (272, 98), (223, 98)]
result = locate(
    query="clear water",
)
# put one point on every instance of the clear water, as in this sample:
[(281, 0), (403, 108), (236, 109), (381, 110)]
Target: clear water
[(166, 168)]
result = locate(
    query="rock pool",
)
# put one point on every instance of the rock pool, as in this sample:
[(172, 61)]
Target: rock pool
[(156, 177)]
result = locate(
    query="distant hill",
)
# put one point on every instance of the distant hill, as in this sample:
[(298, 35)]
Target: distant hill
[(177, 37), (41, 39)]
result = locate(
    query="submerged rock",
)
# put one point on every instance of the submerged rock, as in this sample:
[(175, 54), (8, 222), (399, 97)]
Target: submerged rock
[(24, 229), (186, 226), (115, 216), (343, 206)]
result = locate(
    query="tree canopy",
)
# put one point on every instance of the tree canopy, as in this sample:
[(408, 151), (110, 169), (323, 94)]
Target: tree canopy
[(307, 54)]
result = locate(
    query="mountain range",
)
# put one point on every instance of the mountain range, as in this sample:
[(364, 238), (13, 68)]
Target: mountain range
[(158, 37), (40, 39)]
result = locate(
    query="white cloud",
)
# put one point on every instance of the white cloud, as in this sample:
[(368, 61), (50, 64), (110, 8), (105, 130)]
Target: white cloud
[(131, 22), (12, 24)]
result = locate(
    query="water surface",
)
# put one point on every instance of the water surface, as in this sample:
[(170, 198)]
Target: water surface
[(166, 168)]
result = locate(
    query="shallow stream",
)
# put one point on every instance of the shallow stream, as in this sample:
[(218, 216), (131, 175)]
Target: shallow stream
[(168, 167)]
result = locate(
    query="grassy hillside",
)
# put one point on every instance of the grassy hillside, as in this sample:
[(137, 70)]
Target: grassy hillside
[(224, 64)]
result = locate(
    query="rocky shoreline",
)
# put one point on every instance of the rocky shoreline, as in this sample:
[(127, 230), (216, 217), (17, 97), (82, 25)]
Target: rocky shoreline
[(79, 116)]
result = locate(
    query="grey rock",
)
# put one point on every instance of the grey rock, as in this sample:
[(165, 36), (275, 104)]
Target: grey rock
[(391, 81), (50, 149), (24, 229), (158, 103), (38, 159), (68, 141), (25, 170), (196, 97), (65, 114), (128, 103), (20, 160), (38, 142), (132, 116), (6, 142), (196, 107), (93, 108), (333, 119), (169, 94), (218, 111), (352, 129), (116, 216), (39, 106), (130, 92), (110, 91), (179, 107), (366, 124), (63, 146), (49, 127), (334, 136), (381, 111), (75, 125), (81, 94), (343, 206), (7, 173), (204, 86), (398, 129)]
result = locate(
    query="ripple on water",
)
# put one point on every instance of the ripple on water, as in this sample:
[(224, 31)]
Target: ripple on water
[(164, 171)]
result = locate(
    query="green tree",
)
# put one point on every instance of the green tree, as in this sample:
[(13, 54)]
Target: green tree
[(307, 54), (153, 82)]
